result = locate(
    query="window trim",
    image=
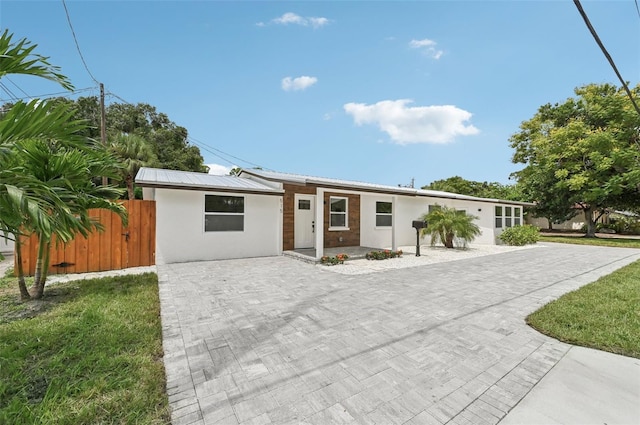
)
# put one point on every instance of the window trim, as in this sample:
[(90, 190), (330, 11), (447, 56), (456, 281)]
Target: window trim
[(514, 218), (345, 213), (377, 226), (223, 213), (498, 216)]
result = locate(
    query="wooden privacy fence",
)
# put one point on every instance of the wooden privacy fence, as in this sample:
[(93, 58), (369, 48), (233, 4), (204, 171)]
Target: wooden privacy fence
[(117, 247)]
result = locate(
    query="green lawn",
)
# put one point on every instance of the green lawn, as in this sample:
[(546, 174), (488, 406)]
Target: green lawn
[(616, 242), (90, 353), (603, 315)]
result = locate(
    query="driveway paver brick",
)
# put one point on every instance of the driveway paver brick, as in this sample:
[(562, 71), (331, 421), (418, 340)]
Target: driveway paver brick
[(275, 340)]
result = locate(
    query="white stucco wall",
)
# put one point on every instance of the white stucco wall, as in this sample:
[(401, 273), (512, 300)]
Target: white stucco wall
[(371, 235), (414, 208), (408, 209), (6, 245), (180, 235), (576, 223)]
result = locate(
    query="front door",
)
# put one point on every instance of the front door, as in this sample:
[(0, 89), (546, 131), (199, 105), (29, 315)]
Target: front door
[(304, 219)]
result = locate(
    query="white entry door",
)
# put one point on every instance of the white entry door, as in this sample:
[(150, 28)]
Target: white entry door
[(304, 218)]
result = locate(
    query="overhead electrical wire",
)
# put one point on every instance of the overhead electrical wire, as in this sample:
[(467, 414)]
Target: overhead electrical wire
[(17, 86), (12, 95), (200, 144), (606, 53), (195, 141), (75, 39), (49, 95)]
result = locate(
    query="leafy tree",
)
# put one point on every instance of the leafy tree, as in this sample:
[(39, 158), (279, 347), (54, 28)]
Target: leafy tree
[(457, 184), (168, 141), (447, 225), (550, 200), (133, 152), (583, 152)]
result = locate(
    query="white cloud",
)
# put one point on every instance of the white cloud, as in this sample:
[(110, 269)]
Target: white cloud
[(295, 19), (298, 83), (290, 18), (219, 170), (318, 22), (406, 124), (428, 47)]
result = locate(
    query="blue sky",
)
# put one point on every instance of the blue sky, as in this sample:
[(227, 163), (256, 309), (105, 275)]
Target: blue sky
[(381, 91)]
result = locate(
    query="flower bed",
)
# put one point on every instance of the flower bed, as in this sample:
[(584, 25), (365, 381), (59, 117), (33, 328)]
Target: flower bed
[(332, 261), (383, 255)]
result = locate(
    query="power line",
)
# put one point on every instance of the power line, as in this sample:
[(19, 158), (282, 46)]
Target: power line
[(214, 151), (6, 89), (606, 53), (224, 153), (119, 98), (18, 87), (47, 95), (75, 39), (637, 8)]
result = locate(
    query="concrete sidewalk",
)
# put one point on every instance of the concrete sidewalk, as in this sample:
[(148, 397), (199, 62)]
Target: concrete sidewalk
[(275, 340), (585, 387)]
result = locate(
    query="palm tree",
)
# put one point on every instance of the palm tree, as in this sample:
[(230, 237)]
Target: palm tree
[(67, 191), (447, 225), (46, 165), (134, 153)]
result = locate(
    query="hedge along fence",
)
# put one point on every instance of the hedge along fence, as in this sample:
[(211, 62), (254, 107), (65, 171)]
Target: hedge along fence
[(116, 247)]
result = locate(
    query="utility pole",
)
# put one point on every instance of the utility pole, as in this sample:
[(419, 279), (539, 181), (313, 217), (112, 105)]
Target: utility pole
[(103, 127)]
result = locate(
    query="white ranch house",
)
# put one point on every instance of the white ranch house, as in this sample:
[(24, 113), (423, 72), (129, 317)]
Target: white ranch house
[(263, 213)]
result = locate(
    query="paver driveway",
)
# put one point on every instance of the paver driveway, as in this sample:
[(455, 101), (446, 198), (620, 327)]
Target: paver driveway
[(275, 340)]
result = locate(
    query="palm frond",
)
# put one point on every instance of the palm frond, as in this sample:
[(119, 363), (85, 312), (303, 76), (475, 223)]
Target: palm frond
[(41, 120), (19, 58)]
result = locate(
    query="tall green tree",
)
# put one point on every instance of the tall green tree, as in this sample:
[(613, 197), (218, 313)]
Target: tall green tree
[(133, 153), (584, 152), (168, 141), (450, 227), (457, 184)]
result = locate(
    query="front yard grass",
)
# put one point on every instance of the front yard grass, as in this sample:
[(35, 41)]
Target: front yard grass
[(89, 353), (614, 242), (604, 315)]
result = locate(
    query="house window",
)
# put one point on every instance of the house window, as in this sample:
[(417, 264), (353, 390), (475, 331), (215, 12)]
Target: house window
[(507, 217), (384, 214), (432, 208), (516, 217), (338, 212), (304, 204), (498, 217), (223, 213)]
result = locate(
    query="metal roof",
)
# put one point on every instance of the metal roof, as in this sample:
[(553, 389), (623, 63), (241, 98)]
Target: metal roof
[(155, 177), (369, 187), (304, 179)]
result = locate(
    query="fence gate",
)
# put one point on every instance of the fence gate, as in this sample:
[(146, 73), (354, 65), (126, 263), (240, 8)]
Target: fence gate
[(117, 247)]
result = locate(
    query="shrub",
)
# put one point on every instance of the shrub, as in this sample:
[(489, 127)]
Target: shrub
[(450, 226), (383, 255), (520, 235), (332, 261)]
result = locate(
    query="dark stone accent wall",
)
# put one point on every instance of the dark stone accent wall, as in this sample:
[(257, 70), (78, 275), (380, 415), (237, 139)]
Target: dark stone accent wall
[(288, 212)]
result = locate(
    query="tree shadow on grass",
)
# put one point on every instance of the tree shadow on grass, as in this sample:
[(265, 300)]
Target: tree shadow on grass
[(12, 308)]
